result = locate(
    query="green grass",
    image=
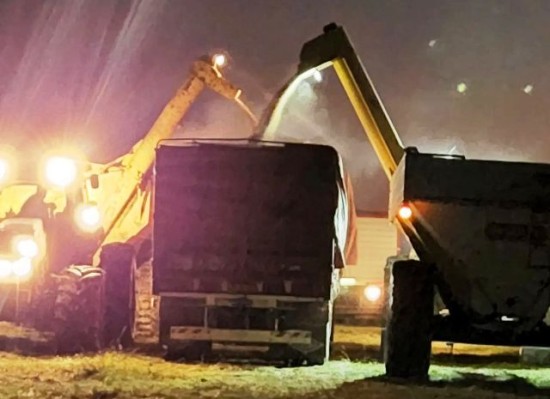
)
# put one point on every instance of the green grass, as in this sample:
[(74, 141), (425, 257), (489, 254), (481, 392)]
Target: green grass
[(134, 376), (117, 375), (124, 375), (14, 331)]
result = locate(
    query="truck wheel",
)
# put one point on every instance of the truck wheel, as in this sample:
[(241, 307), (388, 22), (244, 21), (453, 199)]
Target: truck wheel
[(118, 262), (78, 309), (325, 335), (408, 331)]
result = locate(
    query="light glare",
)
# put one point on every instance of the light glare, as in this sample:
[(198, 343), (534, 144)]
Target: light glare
[(461, 87), (5, 268), (405, 212), (219, 60), (3, 169), (347, 281), (372, 293), (22, 267), (61, 171), (27, 247), (318, 76), (89, 217)]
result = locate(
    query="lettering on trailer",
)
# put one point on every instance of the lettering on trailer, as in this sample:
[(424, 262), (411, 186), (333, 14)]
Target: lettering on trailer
[(534, 234)]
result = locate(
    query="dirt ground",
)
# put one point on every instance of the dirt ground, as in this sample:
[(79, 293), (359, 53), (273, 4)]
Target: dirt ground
[(484, 373)]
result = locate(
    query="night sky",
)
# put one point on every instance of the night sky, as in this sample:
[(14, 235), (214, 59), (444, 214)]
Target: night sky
[(96, 73)]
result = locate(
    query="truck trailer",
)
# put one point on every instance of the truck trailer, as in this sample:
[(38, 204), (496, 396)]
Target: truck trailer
[(248, 244)]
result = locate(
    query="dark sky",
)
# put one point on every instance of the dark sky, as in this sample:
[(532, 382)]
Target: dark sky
[(96, 73)]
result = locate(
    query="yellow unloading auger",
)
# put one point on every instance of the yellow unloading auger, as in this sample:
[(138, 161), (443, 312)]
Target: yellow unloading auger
[(123, 197)]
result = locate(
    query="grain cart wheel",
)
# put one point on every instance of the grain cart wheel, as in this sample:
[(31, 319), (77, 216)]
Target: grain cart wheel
[(408, 332), (118, 262), (78, 310)]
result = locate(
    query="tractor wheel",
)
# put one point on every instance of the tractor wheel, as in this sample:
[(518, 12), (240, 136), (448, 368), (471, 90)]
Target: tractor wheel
[(41, 306), (407, 337), (118, 262), (78, 311)]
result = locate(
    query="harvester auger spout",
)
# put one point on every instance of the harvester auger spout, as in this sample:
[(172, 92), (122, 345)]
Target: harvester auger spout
[(334, 49)]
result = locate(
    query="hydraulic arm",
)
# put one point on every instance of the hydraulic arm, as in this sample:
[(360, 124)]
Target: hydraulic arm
[(334, 48), (123, 196)]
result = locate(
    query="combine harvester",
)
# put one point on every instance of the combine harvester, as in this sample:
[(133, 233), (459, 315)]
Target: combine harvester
[(67, 212), (480, 229)]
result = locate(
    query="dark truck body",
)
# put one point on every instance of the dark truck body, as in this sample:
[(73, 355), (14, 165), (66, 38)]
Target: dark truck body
[(245, 242), (485, 226)]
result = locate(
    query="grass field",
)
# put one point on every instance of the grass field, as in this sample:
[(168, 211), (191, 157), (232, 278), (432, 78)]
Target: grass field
[(350, 338), (127, 375)]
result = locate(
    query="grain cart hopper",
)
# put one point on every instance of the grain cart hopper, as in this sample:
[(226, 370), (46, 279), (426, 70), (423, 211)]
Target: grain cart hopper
[(480, 229), (248, 241)]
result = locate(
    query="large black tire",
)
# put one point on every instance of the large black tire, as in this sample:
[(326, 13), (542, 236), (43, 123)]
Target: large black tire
[(118, 262), (407, 337), (78, 310), (41, 306), (325, 336)]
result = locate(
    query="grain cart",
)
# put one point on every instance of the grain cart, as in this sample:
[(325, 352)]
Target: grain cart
[(65, 212), (480, 230), (247, 245)]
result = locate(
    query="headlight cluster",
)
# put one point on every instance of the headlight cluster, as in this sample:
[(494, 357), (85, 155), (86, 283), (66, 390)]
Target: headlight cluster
[(19, 268), (27, 249), (371, 292), (58, 171)]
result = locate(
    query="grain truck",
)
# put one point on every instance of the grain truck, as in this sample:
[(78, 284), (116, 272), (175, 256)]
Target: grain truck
[(248, 243)]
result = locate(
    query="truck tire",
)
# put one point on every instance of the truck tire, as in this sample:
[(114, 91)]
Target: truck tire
[(118, 262), (322, 355), (407, 337), (325, 336), (78, 310)]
